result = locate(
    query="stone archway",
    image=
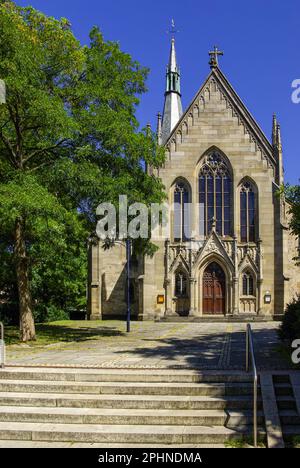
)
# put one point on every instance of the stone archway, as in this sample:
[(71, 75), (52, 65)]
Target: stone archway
[(214, 290)]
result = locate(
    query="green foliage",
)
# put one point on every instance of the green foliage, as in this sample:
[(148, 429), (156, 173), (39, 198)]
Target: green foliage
[(69, 140), (292, 194), (290, 326), (49, 313), (244, 442)]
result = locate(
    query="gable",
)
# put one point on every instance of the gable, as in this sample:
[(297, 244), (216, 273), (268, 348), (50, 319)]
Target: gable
[(217, 81)]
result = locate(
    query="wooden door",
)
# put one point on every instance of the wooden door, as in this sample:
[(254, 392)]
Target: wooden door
[(214, 289)]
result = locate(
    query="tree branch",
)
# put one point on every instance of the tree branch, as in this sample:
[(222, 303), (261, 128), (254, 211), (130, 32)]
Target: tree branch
[(10, 148), (43, 150)]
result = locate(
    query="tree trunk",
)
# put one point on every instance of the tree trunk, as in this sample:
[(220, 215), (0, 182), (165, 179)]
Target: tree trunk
[(27, 328)]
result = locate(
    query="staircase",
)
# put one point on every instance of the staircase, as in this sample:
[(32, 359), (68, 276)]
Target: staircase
[(128, 408), (287, 407)]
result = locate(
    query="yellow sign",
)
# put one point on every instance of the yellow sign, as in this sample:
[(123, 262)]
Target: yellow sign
[(160, 299)]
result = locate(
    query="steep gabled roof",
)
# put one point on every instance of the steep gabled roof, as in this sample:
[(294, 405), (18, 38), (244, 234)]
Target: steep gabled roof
[(238, 107)]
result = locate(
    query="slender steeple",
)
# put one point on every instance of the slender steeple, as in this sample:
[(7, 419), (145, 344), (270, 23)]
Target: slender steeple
[(173, 107)]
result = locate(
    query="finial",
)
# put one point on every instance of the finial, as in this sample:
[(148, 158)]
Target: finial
[(159, 128), (173, 30), (214, 57), (213, 224), (274, 130), (148, 129), (278, 136)]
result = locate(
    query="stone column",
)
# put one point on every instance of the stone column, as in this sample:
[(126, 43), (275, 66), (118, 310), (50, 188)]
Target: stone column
[(235, 280), (260, 278), (193, 309), (94, 286), (167, 282)]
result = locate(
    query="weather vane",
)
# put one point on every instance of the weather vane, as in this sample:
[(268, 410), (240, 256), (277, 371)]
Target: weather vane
[(173, 29)]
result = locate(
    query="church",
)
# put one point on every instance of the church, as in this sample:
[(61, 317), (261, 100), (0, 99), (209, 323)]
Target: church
[(231, 256)]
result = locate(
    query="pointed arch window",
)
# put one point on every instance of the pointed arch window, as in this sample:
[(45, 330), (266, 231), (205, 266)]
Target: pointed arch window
[(180, 284), (182, 197), (215, 193), (247, 212), (248, 284)]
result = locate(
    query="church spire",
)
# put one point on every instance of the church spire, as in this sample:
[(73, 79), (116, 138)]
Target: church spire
[(172, 107)]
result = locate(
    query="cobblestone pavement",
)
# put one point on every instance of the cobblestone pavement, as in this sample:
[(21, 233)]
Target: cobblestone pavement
[(160, 345)]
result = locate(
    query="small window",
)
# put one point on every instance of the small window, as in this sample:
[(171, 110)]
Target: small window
[(248, 286), (180, 285)]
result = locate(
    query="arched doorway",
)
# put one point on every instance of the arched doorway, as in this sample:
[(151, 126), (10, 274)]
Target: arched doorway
[(214, 287)]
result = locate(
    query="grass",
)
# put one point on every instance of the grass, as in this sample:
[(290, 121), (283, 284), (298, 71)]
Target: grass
[(244, 442), (66, 331), (294, 442)]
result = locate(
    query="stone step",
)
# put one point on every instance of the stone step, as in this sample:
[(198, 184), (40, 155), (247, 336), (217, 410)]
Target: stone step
[(290, 431), (289, 417), (240, 318), (125, 416), (127, 388), (281, 378), (180, 402), (39, 444), (121, 375), (286, 402), (132, 434), (283, 389)]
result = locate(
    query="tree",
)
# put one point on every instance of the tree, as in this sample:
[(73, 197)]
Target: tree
[(292, 194), (69, 140)]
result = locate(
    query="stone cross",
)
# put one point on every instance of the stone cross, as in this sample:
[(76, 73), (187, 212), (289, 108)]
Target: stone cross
[(214, 57), (173, 29)]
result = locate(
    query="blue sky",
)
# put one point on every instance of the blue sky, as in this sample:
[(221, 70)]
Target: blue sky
[(260, 40)]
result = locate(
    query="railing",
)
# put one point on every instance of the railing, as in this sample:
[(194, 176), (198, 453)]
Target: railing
[(250, 353), (2, 346)]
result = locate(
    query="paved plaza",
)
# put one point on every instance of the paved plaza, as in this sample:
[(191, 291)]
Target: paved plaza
[(159, 345)]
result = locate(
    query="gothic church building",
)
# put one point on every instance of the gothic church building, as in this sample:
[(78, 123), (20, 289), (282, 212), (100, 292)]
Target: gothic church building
[(238, 262)]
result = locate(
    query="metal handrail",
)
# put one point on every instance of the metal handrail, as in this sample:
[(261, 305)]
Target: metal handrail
[(250, 347), (2, 346)]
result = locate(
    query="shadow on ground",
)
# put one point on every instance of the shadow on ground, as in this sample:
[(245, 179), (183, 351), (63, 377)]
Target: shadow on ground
[(214, 351), (49, 334)]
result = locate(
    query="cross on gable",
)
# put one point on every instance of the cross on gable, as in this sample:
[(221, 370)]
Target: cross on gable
[(214, 56)]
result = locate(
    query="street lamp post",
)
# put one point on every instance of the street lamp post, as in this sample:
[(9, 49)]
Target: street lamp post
[(128, 251)]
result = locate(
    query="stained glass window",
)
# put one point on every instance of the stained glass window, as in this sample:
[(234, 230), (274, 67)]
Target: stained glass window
[(182, 228), (180, 284), (248, 287), (248, 215), (215, 188)]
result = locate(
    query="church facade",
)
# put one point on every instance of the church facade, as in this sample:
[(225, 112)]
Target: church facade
[(230, 255)]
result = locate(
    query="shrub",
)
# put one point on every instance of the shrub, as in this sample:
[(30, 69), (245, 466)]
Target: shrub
[(290, 328), (9, 313), (49, 313)]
